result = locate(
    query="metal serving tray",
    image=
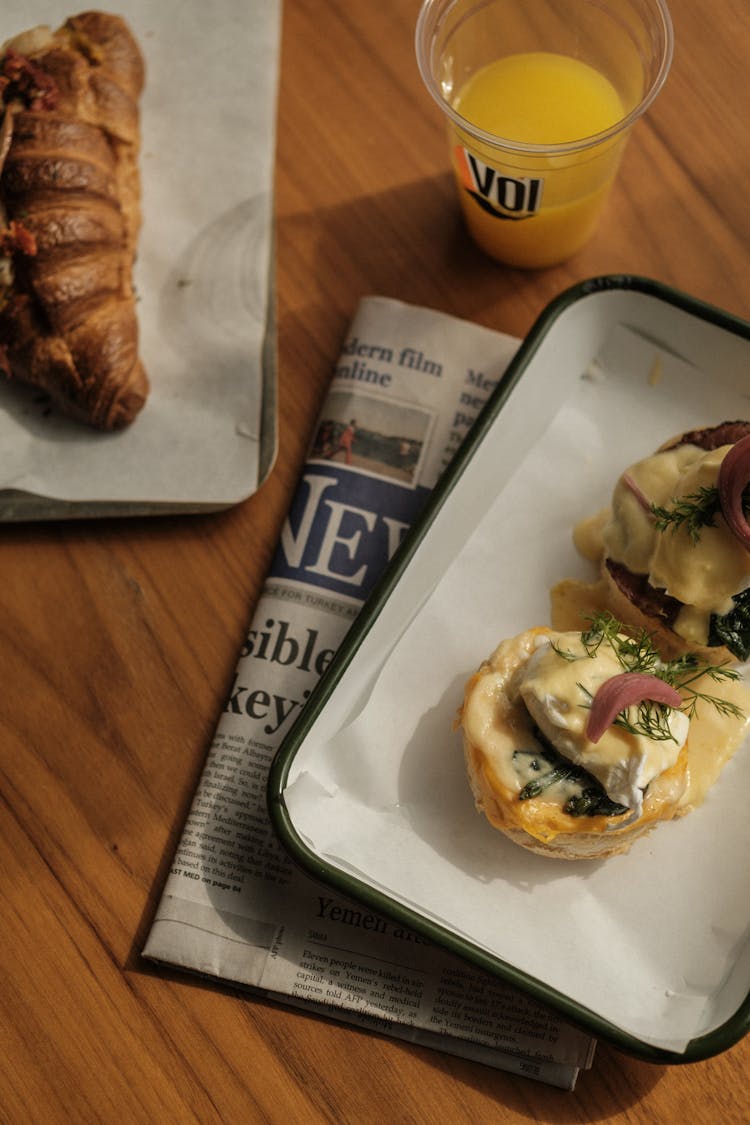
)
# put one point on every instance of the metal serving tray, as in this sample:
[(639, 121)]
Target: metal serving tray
[(650, 950)]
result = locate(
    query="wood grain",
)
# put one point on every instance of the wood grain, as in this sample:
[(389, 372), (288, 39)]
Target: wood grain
[(118, 638)]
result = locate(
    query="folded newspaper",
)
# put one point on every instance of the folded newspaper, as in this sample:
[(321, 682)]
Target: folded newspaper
[(407, 387)]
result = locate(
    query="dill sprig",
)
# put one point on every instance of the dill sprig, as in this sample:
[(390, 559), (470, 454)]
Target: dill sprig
[(565, 653), (693, 512), (636, 652), (685, 670)]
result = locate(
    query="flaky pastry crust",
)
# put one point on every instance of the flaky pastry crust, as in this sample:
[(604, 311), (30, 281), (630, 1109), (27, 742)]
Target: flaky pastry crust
[(70, 206)]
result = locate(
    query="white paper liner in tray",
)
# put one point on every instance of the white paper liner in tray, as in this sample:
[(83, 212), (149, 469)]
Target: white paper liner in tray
[(206, 436), (656, 941)]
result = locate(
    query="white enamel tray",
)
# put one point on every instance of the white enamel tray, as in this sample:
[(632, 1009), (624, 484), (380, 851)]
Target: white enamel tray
[(369, 791)]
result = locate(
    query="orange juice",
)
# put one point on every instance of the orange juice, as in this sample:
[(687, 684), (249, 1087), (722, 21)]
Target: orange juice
[(531, 207)]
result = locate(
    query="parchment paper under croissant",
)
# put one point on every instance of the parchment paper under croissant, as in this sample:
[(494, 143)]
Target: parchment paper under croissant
[(70, 215)]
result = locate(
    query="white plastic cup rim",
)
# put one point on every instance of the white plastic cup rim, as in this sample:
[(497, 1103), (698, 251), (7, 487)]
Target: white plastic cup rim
[(422, 45)]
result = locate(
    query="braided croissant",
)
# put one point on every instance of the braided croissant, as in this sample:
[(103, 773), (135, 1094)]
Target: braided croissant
[(69, 216)]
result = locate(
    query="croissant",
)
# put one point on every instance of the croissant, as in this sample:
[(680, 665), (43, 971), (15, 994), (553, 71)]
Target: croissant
[(70, 216)]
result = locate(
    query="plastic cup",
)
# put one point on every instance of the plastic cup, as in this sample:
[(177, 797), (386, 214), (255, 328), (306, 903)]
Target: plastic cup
[(540, 97)]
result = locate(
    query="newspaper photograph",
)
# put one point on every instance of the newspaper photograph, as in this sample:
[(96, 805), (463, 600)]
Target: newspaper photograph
[(408, 385)]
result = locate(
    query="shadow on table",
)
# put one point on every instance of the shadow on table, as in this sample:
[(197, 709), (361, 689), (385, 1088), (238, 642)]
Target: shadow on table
[(408, 243), (613, 1084)]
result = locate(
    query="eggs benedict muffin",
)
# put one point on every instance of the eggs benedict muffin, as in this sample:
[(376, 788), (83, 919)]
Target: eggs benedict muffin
[(675, 550), (577, 743)]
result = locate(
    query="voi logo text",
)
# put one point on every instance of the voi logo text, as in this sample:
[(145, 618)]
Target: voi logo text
[(506, 197)]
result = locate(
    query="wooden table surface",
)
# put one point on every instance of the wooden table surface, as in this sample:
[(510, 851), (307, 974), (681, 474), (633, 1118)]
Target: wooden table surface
[(118, 639)]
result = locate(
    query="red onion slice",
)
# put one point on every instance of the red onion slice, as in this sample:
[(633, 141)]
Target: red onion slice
[(622, 691), (640, 496), (734, 475)]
